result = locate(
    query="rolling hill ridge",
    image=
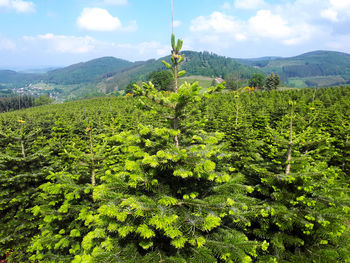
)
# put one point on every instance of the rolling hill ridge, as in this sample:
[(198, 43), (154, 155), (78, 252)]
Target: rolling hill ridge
[(109, 74), (317, 68), (85, 72), (196, 63)]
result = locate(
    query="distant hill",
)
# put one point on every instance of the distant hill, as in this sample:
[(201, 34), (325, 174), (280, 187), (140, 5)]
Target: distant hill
[(317, 68), (212, 65), (83, 72), (34, 70), (109, 74), (196, 63), (10, 77), (86, 71)]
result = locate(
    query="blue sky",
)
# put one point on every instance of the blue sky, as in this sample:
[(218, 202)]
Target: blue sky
[(62, 32)]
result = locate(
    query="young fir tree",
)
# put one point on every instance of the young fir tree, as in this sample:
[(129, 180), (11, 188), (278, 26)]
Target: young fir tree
[(272, 81), (336, 121), (23, 162), (168, 194), (306, 205), (65, 203)]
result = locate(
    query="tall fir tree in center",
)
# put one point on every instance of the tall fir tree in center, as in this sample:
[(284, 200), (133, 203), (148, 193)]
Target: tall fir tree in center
[(169, 194)]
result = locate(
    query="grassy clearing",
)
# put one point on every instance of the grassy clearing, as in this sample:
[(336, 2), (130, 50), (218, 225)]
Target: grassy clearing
[(297, 83), (325, 81), (204, 82)]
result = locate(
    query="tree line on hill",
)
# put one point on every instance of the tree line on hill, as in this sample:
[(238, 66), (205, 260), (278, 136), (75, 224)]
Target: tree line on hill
[(312, 64), (111, 74), (163, 80), (17, 102)]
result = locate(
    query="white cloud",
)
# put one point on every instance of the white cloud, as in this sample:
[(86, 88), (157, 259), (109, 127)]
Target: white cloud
[(337, 10), (296, 40), (98, 19), (280, 27), (340, 4), (219, 27), (7, 44), (217, 22), (217, 30), (145, 49), (266, 24), (19, 5), (63, 47), (115, 2), (287, 27), (265, 31), (330, 14), (23, 6), (249, 4), (63, 44), (240, 37)]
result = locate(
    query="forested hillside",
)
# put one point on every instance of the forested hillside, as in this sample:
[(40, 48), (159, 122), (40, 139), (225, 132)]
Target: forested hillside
[(196, 63), (15, 79), (86, 72), (318, 68), (108, 74)]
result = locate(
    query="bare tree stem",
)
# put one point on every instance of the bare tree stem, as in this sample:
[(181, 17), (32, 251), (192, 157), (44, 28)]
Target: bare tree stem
[(290, 144), (93, 176), (23, 152)]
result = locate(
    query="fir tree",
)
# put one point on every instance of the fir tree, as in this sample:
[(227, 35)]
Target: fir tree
[(168, 194), (64, 202), (305, 200), (272, 81), (23, 162)]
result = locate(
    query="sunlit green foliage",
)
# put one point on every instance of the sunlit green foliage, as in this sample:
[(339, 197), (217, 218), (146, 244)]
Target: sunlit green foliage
[(222, 194), (169, 193)]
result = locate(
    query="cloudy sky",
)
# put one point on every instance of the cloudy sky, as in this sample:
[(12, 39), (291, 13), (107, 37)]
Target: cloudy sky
[(61, 32)]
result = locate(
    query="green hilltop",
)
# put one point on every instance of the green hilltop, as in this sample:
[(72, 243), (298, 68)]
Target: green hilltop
[(196, 63), (86, 72), (111, 75)]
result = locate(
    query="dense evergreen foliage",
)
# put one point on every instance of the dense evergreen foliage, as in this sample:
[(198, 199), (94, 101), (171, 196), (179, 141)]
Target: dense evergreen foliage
[(212, 65), (162, 80), (272, 81), (4, 91), (257, 81), (300, 213), (10, 103), (179, 176)]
